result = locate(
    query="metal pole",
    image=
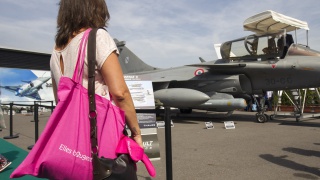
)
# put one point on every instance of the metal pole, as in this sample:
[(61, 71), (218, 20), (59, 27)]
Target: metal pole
[(36, 123), (168, 143), (11, 136), (11, 119), (32, 107), (51, 107), (307, 38), (296, 38)]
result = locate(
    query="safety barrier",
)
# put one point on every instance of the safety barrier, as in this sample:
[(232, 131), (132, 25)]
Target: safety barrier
[(165, 111), (35, 113), (11, 136)]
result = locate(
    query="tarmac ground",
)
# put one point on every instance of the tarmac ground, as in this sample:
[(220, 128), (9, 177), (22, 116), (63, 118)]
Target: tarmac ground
[(278, 149)]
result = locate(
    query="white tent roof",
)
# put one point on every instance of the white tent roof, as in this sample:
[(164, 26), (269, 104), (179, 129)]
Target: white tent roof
[(270, 22)]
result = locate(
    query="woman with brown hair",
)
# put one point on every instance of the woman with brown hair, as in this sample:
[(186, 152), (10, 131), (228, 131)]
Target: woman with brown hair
[(74, 17)]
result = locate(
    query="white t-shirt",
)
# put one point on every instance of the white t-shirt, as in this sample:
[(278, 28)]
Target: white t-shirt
[(105, 45)]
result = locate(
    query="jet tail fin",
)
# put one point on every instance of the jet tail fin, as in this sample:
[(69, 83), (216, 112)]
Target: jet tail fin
[(130, 63), (201, 59)]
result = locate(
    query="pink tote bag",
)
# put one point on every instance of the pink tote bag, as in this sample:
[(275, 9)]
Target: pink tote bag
[(63, 150)]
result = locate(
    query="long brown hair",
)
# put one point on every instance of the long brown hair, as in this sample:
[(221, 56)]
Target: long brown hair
[(77, 14)]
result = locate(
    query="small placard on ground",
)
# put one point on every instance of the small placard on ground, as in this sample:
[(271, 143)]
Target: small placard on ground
[(209, 125), (229, 125)]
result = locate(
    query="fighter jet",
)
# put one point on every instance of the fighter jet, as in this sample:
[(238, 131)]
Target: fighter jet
[(268, 60), (30, 89)]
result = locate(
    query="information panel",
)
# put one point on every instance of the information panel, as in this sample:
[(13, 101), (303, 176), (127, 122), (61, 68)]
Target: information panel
[(143, 98)]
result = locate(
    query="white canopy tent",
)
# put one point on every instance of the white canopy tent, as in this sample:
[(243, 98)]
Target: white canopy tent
[(271, 22)]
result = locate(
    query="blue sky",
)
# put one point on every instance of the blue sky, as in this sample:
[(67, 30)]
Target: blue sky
[(14, 77), (163, 33)]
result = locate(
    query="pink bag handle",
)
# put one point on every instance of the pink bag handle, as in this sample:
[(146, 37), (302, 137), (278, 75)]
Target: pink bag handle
[(78, 72)]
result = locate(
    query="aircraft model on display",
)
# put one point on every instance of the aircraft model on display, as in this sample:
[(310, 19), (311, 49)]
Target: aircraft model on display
[(268, 60), (30, 89)]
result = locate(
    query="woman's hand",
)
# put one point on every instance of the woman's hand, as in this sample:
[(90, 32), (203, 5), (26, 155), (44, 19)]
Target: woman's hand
[(137, 139)]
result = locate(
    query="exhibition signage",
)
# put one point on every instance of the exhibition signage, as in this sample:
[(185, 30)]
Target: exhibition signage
[(143, 98)]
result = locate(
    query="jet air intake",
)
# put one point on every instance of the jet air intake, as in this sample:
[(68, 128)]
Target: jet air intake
[(181, 97)]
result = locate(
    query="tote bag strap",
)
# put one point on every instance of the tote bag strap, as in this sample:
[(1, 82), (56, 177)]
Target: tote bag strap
[(78, 71), (91, 89)]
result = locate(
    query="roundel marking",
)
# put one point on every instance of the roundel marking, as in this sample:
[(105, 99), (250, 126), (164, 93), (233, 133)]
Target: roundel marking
[(198, 72)]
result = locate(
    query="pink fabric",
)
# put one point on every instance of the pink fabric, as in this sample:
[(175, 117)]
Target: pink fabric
[(63, 150), (129, 146)]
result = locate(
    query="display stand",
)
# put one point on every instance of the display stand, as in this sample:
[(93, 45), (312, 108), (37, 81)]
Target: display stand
[(298, 102)]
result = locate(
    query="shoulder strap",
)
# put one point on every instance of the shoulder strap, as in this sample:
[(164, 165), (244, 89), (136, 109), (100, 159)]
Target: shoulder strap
[(91, 68), (91, 89)]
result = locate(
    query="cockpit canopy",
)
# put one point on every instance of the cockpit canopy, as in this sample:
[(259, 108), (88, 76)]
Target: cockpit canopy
[(255, 47)]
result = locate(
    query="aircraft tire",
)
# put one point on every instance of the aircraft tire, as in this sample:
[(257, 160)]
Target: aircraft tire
[(261, 118)]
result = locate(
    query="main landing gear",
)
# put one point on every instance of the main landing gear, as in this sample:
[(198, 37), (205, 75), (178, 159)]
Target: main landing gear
[(261, 117)]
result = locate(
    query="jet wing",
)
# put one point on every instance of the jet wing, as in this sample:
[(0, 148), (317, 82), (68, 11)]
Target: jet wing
[(11, 88), (34, 96), (219, 66)]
